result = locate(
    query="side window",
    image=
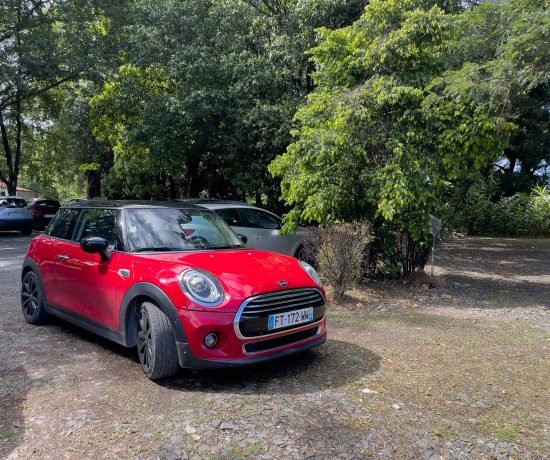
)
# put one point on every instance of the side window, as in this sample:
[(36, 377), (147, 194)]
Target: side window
[(260, 219), (99, 222), (231, 217), (63, 223)]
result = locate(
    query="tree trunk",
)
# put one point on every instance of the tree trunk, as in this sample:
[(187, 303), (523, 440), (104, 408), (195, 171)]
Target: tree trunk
[(258, 197), (172, 187), (94, 183)]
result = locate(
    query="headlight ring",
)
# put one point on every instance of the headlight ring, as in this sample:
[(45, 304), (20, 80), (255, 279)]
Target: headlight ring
[(201, 287)]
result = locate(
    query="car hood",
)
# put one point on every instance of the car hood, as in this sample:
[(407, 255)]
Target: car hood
[(243, 273)]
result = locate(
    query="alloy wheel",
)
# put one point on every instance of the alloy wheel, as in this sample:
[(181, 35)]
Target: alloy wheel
[(30, 296), (145, 342)]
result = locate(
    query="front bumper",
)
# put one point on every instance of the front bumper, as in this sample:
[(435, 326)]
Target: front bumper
[(232, 351), (188, 360)]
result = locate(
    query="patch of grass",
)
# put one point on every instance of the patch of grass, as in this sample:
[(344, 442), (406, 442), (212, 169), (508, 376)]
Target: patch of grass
[(9, 433), (158, 433), (448, 430), (254, 448), (251, 409), (250, 450), (367, 453), (450, 254), (354, 423), (502, 430)]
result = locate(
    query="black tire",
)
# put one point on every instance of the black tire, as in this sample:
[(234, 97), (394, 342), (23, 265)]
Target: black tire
[(32, 299), (299, 254), (156, 343)]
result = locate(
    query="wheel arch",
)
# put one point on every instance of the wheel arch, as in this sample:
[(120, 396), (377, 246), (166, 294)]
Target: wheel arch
[(30, 265), (134, 297)]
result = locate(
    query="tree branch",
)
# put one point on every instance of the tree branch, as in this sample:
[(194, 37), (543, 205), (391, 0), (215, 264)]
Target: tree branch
[(23, 96)]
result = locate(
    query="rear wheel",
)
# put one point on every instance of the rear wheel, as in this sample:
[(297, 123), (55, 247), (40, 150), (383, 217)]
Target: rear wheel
[(156, 343), (32, 299)]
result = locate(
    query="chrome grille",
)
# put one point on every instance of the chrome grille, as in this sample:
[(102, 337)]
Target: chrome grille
[(252, 318), (270, 303)]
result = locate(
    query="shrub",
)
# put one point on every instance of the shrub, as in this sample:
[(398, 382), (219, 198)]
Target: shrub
[(394, 253), (517, 215), (338, 250)]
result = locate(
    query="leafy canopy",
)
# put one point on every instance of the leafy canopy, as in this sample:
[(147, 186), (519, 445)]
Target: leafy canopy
[(383, 134)]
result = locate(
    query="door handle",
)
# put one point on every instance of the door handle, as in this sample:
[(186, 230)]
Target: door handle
[(63, 257), (258, 237)]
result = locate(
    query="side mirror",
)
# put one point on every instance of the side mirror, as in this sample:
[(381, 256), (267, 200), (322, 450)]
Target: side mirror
[(96, 245), (243, 238)]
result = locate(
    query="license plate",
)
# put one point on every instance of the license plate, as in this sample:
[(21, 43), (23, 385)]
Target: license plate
[(290, 318), (49, 216)]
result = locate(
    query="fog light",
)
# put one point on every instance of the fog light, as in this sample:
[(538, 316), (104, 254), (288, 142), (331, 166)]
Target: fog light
[(211, 339)]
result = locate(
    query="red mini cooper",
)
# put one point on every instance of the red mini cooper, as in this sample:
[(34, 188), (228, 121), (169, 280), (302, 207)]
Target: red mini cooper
[(175, 281)]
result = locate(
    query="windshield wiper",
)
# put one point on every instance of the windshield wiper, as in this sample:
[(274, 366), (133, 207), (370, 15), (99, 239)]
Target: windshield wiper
[(157, 248), (224, 246)]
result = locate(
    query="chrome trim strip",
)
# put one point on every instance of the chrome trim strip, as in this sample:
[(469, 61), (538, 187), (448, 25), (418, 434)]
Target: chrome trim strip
[(251, 311), (286, 344), (250, 299), (300, 299), (283, 294)]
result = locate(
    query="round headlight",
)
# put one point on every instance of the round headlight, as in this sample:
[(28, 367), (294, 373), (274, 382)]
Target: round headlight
[(201, 287), (311, 272)]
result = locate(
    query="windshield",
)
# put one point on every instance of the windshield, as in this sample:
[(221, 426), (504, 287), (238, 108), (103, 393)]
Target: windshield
[(172, 229), (13, 202)]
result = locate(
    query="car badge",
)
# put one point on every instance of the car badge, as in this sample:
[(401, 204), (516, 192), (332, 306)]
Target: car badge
[(282, 283)]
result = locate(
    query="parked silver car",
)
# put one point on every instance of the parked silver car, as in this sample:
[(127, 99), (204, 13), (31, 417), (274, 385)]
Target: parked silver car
[(261, 228), (15, 215)]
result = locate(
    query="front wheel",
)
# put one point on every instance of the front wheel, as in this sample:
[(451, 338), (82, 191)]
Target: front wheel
[(156, 343), (32, 299)]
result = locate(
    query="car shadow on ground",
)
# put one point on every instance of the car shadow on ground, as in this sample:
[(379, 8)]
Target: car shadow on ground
[(14, 385), (334, 364)]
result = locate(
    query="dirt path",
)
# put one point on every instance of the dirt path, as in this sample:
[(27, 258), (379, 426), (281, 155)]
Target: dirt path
[(460, 371)]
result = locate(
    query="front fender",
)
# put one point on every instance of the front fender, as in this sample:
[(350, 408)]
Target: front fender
[(159, 297)]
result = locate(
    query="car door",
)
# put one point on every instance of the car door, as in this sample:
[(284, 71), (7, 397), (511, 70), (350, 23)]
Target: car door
[(54, 245), (265, 231), (232, 218), (88, 285)]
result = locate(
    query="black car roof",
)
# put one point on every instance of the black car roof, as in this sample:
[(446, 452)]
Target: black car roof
[(117, 204), (200, 201)]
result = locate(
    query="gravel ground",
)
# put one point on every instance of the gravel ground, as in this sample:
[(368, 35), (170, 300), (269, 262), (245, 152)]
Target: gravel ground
[(459, 372)]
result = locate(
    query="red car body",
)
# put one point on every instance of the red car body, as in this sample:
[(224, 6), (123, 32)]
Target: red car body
[(101, 295)]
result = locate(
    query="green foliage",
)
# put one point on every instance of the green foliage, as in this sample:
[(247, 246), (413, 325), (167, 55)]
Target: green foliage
[(207, 91), (517, 215), (383, 133)]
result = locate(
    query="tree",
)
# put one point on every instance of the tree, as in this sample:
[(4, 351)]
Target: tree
[(207, 91), (383, 134), (44, 44)]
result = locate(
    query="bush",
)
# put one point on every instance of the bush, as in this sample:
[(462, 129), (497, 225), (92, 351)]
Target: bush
[(338, 251), (394, 253), (517, 215)]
